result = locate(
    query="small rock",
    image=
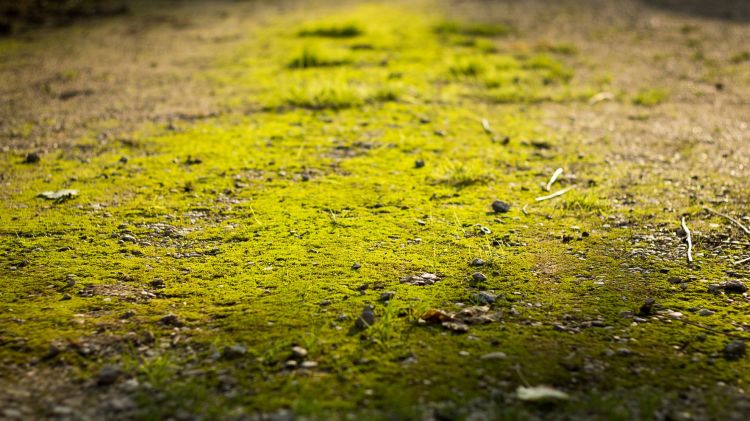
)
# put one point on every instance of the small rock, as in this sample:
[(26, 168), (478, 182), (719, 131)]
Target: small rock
[(477, 262), (128, 314), (484, 297), (366, 319), (324, 303), (494, 356), (170, 320), (623, 352), (65, 297), (309, 364), (734, 287), (387, 296), (299, 352), (714, 288), (157, 283), (478, 277), (356, 266), (234, 351), (457, 327), (32, 158), (647, 308), (499, 206), (108, 375), (674, 280), (735, 350), (463, 353), (706, 312), (129, 238), (123, 160), (419, 163), (291, 364)]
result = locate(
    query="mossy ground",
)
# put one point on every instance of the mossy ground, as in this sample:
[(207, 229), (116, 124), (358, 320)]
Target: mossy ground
[(244, 222)]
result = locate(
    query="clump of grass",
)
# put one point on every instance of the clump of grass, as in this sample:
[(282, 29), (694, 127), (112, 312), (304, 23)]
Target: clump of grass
[(650, 97), (460, 174), (468, 68), (386, 94), (562, 48), (553, 70), (324, 96), (341, 31), (472, 29), (576, 201), (740, 57), (310, 58)]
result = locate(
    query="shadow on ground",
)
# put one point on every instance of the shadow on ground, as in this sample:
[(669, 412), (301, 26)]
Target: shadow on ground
[(732, 10)]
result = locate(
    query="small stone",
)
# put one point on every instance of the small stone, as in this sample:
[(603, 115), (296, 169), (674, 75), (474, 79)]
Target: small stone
[(674, 280), (32, 158), (463, 353), (108, 375), (299, 352), (623, 352), (477, 262), (499, 206), (291, 364), (128, 314), (123, 160), (66, 297), (366, 319), (714, 288), (324, 303), (706, 312), (457, 327), (387, 296), (356, 266), (419, 163), (478, 277), (494, 356), (735, 350), (734, 287), (647, 308), (309, 364), (157, 283), (170, 320), (484, 297), (62, 410), (234, 351), (129, 238)]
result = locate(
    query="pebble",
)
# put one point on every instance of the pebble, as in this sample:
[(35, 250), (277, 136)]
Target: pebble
[(419, 163), (499, 206), (734, 287), (478, 262), (170, 320), (706, 312), (32, 158), (735, 350), (647, 308), (299, 352), (108, 375), (484, 297), (234, 351), (309, 364), (356, 266), (463, 353), (291, 364), (366, 319), (478, 277), (387, 296), (325, 303)]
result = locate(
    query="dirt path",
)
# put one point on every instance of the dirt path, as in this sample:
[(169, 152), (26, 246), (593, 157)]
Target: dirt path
[(288, 209)]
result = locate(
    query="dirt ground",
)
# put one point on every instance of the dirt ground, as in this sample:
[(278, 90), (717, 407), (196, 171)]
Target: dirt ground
[(341, 210)]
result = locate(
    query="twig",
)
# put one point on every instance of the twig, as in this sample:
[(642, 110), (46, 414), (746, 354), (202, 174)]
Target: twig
[(523, 209), (555, 194), (739, 262), (689, 240), (745, 229), (552, 179), (700, 326), (486, 126)]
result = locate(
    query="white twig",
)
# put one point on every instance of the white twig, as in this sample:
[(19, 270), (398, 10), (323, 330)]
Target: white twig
[(486, 126), (689, 240), (552, 179), (745, 229), (555, 194), (739, 262), (523, 209)]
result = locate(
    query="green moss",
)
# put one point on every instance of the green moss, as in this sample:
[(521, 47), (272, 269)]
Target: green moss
[(472, 29), (650, 97), (341, 31)]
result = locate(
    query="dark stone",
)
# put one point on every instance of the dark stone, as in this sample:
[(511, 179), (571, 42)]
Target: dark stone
[(478, 277), (499, 206), (32, 158), (170, 320), (735, 350), (647, 308), (108, 375), (734, 287), (419, 163), (356, 266), (478, 262), (366, 319)]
